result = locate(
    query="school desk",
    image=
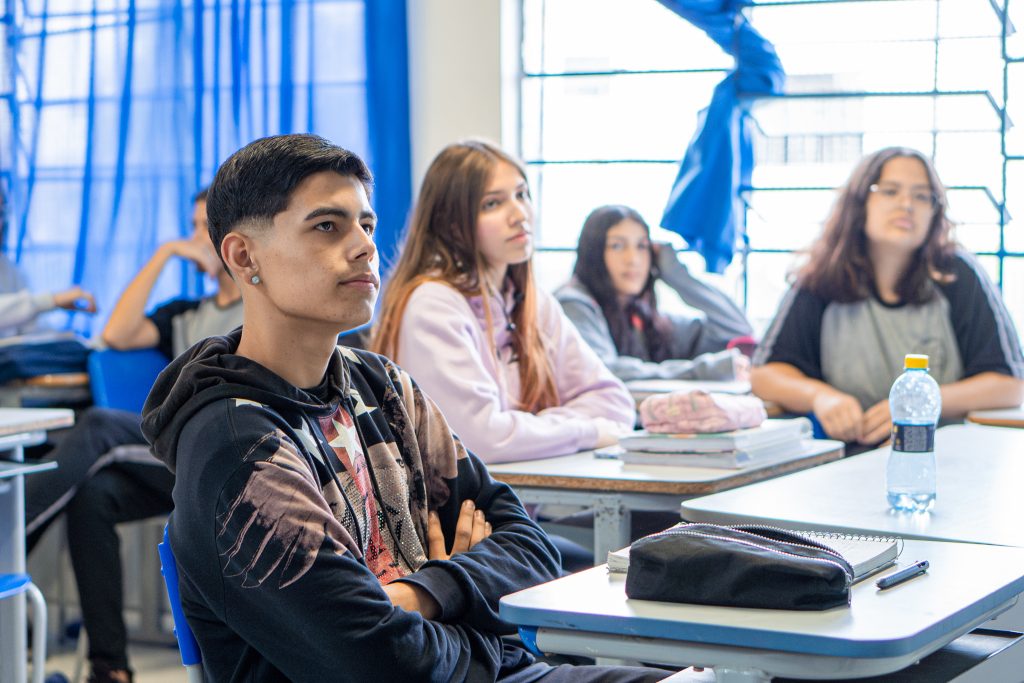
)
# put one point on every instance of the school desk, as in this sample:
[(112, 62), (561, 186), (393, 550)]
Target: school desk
[(880, 632), (614, 489), (1002, 417), (642, 388), (978, 481), (19, 427)]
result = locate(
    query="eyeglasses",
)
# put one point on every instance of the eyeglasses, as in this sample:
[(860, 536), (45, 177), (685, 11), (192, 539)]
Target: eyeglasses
[(922, 199)]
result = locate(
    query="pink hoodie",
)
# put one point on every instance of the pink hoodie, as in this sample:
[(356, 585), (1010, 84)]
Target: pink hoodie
[(444, 347)]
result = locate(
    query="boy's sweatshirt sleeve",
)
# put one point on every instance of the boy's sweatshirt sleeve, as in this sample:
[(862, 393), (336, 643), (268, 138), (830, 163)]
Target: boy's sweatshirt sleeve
[(517, 554), (290, 587), (18, 308), (443, 348)]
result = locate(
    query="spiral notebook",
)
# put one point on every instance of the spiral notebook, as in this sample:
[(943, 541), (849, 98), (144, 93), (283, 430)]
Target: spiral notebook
[(866, 554)]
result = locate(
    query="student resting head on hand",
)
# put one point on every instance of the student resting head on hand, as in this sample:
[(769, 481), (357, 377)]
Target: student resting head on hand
[(463, 316), (612, 302), (884, 279)]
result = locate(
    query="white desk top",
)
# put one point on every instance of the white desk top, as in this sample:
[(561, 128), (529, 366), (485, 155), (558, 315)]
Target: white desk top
[(980, 471), (1002, 417), (21, 420), (642, 388), (965, 583), (584, 471)]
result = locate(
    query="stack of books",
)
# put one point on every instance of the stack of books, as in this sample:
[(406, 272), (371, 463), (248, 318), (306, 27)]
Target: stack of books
[(773, 440)]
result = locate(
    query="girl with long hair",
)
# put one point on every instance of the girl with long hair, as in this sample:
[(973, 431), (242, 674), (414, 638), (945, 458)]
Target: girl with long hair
[(612, 302), (462, 314), (884, 279)]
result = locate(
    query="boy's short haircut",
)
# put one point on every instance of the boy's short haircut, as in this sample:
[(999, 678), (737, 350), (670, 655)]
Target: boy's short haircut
[(256, 182), (201, 195)]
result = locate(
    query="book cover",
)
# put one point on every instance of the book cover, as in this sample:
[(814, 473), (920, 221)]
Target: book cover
[(729, 460), (771, 432)]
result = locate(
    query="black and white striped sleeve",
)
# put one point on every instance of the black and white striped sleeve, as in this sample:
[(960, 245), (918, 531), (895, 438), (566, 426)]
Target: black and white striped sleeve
[(794, 337), (985, 334)]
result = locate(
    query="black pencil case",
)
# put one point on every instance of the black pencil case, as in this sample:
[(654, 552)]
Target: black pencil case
[(742, 566)]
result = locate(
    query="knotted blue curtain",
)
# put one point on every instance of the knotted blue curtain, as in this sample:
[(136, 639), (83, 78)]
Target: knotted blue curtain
[(115, 112), (704, 205)]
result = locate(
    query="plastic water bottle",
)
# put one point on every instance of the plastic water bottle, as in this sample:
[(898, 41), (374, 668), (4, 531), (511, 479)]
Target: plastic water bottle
[(915, 404)]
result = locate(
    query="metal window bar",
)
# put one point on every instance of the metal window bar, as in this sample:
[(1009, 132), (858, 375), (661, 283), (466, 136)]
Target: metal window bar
[(995, 103)]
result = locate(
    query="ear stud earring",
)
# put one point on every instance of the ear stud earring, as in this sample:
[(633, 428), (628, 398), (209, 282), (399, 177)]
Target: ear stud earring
[(255, 279)]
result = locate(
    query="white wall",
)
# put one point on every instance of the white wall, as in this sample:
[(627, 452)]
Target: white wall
[(458, 87)]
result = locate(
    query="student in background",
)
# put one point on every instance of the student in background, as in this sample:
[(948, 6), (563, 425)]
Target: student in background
[(96, 488), (886, 279), (19, 307), (464, 317), (327, 524), (611, 300)]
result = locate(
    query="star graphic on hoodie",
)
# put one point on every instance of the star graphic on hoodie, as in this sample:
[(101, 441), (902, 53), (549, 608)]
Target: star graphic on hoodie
[(357, 403), (346, 437), (349, 355)]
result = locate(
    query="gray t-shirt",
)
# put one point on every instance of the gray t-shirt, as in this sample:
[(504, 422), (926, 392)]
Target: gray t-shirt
[(184, 322), (858, 347)]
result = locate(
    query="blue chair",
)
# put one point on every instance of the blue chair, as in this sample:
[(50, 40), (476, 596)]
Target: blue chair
[(122, 379), (16, 584), (191, 657)]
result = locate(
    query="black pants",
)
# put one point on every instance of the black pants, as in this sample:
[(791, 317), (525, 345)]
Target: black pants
[(98, 490)]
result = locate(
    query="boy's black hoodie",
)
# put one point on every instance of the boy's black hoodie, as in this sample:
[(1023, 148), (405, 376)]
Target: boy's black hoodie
[(278, 551)]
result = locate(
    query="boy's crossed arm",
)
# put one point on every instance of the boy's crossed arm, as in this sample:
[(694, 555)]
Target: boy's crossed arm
[(471, 528)]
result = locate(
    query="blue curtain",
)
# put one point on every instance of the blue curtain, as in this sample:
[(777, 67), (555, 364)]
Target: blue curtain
[(704, 205), (115, 112)]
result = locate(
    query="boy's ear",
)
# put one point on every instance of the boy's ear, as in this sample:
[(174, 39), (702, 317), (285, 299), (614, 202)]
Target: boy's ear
[(236, 250)]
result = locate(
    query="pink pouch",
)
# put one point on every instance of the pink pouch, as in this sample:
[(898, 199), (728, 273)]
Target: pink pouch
[(690, 412)]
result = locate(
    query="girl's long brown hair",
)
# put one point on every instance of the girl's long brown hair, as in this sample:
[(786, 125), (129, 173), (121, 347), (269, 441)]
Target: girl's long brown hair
[(839, 267), (440, 246)]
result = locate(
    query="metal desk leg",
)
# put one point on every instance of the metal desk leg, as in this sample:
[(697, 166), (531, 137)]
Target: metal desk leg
[(611, 525), (13, 646)]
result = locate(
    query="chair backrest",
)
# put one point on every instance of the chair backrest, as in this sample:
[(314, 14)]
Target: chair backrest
[(122, 379), (191, 657)]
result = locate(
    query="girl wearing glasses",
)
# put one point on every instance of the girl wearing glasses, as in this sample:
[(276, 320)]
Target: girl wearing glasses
[(611, 300), (884, 279), (462, 315)]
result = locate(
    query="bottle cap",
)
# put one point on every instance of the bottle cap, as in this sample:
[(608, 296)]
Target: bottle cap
[(916, 361)]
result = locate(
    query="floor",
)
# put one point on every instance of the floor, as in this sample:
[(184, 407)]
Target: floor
[(152, 664)]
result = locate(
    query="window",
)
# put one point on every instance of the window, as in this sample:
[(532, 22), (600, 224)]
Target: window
[(607, 112)]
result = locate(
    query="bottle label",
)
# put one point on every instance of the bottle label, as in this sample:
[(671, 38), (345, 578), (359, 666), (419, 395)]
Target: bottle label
[(913, 438)]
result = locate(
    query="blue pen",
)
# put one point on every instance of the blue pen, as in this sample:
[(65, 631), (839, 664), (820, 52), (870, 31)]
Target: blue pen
[(903, 575)]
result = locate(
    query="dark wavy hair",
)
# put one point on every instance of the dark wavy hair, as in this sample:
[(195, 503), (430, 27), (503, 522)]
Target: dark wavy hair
[(839, 267), (592, 273)]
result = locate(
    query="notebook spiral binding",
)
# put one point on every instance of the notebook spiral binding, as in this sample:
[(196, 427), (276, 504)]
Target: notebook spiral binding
[(898, 540)]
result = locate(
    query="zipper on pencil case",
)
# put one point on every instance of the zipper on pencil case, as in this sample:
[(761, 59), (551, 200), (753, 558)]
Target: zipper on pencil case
[(831, 551)]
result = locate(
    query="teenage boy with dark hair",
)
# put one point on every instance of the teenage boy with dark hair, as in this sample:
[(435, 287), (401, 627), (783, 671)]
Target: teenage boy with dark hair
[(316, 485), (100, 487)]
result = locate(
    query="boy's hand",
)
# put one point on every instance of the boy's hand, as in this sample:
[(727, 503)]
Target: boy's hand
[(75, 299), (469, 530), (199, 252), (412, 598)]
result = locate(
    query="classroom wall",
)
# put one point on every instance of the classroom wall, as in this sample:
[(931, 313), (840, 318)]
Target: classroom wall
[(462, 74)]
